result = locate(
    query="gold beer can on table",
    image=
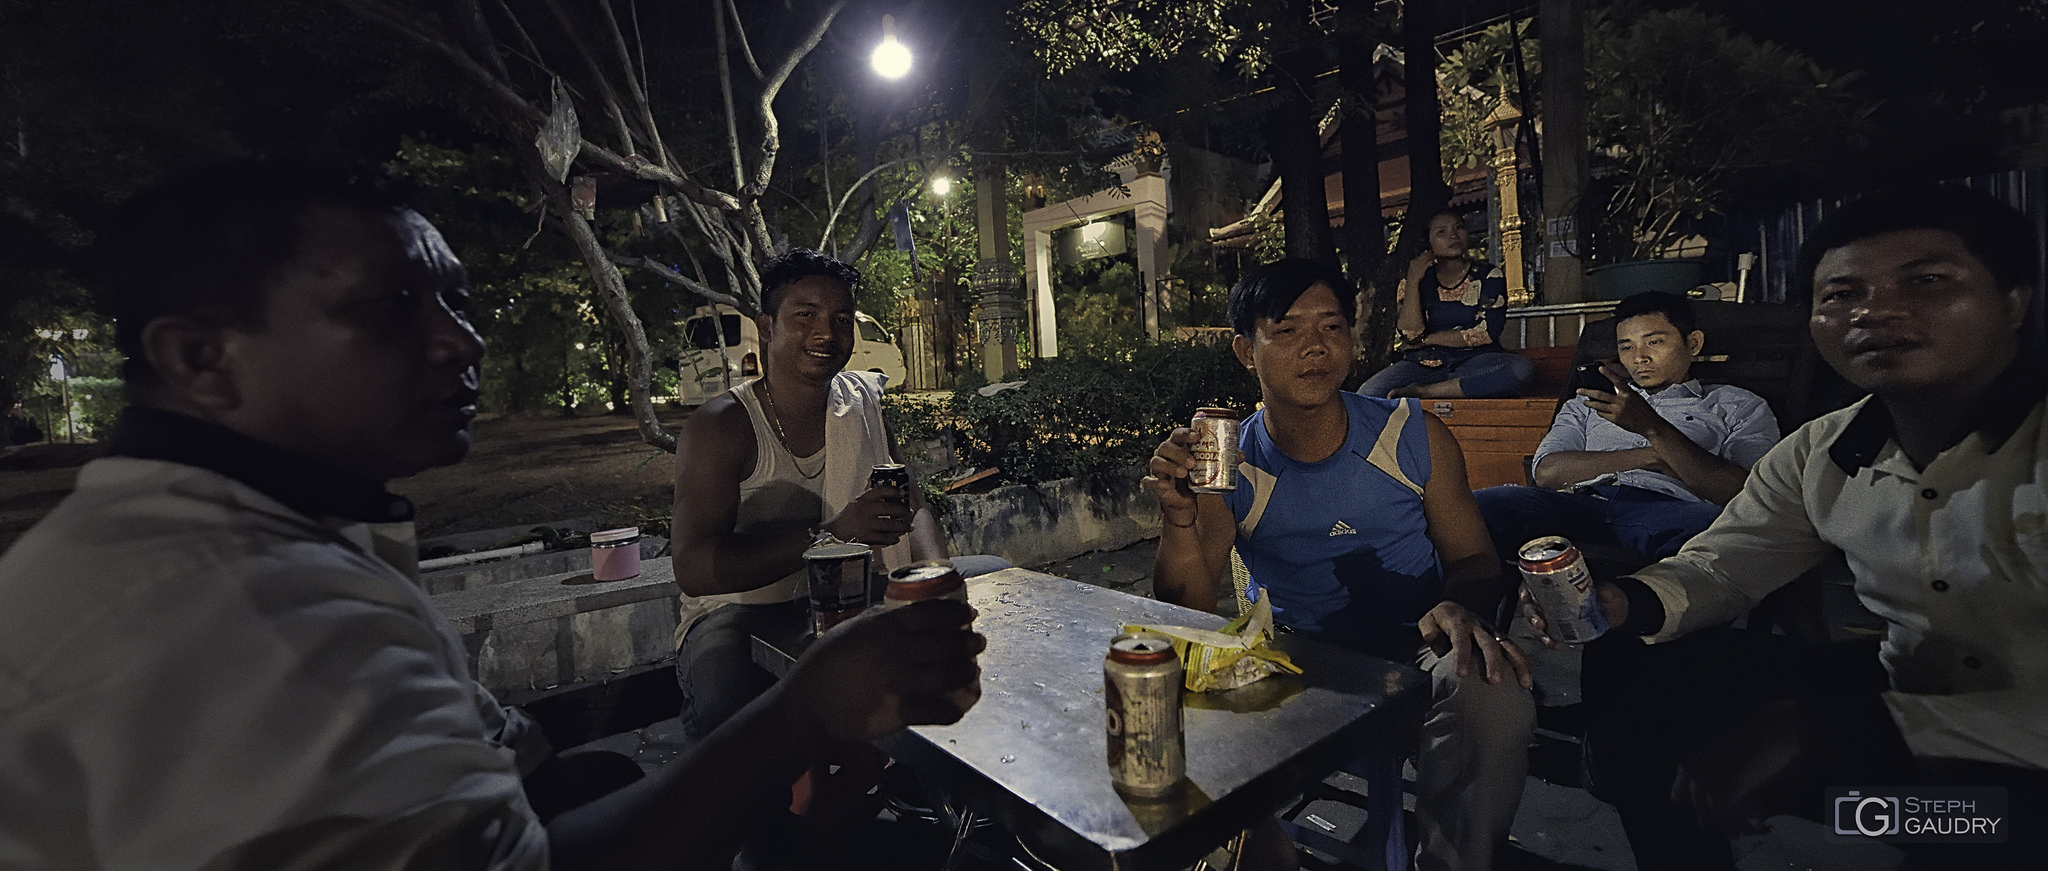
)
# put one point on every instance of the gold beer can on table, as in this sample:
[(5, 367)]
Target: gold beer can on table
[(1141, 684)]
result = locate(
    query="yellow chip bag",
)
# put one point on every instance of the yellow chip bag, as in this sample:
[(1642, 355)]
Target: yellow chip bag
[(1238, 654)]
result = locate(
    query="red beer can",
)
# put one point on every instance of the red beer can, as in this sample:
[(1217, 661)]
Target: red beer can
[(931, 579), (1557, 578)]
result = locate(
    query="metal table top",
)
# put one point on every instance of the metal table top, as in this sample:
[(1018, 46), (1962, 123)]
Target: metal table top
[(1032, 752)]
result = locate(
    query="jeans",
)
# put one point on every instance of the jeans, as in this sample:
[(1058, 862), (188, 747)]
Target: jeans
[(1641, 520), (1492, 374), (715, 665)]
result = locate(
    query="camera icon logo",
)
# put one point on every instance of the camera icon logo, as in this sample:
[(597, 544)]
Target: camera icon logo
[(1872, 816)]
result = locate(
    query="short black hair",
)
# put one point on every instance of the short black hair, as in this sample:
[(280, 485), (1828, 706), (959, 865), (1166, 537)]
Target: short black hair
[(1673, 307), (205, 243), (796, 265), (1270, 290), (1997, 234)]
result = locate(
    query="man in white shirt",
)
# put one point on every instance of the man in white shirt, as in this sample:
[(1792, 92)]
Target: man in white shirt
[(215, 653), (1933, 489), (1646, 463)]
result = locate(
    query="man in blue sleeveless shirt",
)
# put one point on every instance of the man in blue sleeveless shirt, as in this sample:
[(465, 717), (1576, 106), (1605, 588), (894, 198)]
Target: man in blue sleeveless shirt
[(1353, 514)]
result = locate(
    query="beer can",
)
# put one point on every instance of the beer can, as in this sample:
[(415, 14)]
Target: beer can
[(1216, 451), (893, 475), (931, 579), (1141, 683), (1557, 578), (838, 575)]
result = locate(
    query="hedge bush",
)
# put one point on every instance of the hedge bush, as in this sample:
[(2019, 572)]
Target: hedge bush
[(1079, 416)]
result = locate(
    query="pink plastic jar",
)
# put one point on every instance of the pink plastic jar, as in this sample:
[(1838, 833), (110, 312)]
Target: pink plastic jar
[(615, 554)]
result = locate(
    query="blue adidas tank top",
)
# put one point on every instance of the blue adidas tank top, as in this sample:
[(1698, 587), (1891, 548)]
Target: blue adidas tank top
[(1341, 545)]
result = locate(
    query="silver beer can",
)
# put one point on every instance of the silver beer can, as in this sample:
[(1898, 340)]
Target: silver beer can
[(1141, 684), (1216, 451), (1557, 578)]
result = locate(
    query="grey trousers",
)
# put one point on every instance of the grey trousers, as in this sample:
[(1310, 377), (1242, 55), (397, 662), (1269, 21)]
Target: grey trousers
[(1471, 767)]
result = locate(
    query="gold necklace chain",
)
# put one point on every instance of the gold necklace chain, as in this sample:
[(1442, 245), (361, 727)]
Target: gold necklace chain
[(775, 420)]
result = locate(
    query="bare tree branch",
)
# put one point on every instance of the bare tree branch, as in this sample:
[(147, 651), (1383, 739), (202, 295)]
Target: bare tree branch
[(612, 110), (692, 285), (634, 86), (732, 123), (771, 139), (532, 48), (746, 50)]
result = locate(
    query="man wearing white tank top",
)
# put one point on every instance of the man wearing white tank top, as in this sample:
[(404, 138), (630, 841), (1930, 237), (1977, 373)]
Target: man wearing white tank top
[(765, 468)]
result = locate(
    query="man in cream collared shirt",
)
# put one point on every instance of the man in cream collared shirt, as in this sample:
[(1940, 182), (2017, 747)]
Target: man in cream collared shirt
[(1654, 457), (215, 653), (1933, 489)]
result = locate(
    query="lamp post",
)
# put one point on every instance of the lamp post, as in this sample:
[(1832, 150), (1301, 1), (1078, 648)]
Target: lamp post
[(62, 372), (923, 313)]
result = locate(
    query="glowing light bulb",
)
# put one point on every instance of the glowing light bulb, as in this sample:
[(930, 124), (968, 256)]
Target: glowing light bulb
[(891, 59)]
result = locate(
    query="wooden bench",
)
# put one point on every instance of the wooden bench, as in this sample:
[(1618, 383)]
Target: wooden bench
[(1759, 346), (1499, 435)]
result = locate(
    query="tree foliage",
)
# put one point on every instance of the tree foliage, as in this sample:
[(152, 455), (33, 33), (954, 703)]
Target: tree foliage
[(1122, 34), (1683, 110), (1683, 106)]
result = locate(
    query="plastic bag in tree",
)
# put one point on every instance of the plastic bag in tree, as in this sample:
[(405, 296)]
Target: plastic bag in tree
[(560, 138)]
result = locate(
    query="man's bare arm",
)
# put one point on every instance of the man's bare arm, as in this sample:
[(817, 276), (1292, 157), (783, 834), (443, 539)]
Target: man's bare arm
[(1195, 530), (1473, 584), (714, 453)]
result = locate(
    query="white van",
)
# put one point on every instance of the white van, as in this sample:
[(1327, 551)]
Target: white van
[(722, 348)]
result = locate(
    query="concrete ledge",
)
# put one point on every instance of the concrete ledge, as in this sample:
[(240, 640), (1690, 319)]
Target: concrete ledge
[(535, 633), (1037, 524), (559, 562)]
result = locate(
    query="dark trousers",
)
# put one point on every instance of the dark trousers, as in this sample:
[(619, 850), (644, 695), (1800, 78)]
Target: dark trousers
[(1645, 521), (1648, 707), (715, 665)]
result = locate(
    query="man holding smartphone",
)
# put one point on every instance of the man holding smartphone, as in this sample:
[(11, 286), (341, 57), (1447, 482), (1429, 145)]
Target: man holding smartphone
[(1644, 456)]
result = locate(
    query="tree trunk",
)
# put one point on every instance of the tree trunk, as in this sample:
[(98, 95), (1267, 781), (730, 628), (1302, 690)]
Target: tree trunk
[(1294, 142), (1364, 234), (1564, 147), (1427, 193)]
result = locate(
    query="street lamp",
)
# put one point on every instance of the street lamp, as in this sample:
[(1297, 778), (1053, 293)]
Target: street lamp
[(942, 185), (891, 59)]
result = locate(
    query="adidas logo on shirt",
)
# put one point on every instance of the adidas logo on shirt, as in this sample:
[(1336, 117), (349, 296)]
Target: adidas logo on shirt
[(1342, 528)]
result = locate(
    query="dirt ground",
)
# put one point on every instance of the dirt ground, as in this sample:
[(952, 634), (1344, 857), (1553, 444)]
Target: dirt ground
[(522, 471)]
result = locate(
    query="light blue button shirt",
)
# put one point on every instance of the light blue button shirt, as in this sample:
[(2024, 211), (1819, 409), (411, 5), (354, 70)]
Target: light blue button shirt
[(1728, 421)]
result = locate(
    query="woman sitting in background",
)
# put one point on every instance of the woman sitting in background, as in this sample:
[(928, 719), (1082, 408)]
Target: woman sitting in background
[(1452, 311)]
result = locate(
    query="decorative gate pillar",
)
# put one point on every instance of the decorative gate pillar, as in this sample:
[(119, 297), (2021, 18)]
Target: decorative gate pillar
[(1507, 174), (1000, 316)]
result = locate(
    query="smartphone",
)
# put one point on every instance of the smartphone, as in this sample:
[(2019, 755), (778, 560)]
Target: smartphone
[(1587, 376)]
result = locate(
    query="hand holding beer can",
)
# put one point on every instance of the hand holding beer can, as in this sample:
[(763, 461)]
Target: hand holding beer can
[(891, 475), (1215, 450), (1562, 586), (931, 579), (1141, 683)]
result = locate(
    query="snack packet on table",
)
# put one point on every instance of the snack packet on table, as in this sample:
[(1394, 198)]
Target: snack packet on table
[(1238, 654)]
